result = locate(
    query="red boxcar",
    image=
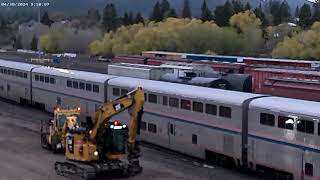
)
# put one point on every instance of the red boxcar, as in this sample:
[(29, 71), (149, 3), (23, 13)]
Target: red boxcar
[(286, 82), (284, 63)]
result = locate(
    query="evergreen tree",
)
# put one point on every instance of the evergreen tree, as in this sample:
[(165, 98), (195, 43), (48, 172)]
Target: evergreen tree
[(260, 14), (110, 21), (222, 14), (296, 13), (46, 20), (156, 13), (186, 12), (131, 18), (172, 13), (316, 13), (139, 18), (34, 43), (274, 9), (17, 42), (237, 6), (165, 9), (206, 14), (248, 6), (284, 12), (125, 19), (94, 14), (305, 15)]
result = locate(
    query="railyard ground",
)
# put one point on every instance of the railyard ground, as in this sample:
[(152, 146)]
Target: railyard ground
[(22, 158)]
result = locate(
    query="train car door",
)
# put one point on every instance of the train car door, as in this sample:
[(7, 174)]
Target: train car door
[(171, 134)]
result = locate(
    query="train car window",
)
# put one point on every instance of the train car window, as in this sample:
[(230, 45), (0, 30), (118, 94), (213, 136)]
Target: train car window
[(16, 73), (46, 79), (305, 126), (9, 72), (197, 107), (225, 111), (185, 104), (75, 84), (318, 128), (5, 71), (21, 74), (174, 102), (152, 98), (308, 169), (69, 83), (95, 88), (152, 128), (115, 91), (41, 78), (1, 71), (211, 109), (25, 75), (52, 80), (165, 100), (88, 87), (123, 92), (285, 122), (194, 139), (36, 77), (143, 126), (81, 85), (267, 119)]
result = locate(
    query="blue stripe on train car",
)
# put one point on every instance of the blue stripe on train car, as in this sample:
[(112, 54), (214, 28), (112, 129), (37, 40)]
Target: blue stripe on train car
[(212, 58)]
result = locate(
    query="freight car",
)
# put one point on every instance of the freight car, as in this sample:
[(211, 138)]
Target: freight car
[(273, 135)]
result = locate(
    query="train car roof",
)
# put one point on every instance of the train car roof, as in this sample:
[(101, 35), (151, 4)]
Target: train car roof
[(17, 65), (80, 75), (219, 95), (288, 105)]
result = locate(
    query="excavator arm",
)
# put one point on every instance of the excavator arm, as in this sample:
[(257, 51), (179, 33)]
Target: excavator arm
[(133, 101)]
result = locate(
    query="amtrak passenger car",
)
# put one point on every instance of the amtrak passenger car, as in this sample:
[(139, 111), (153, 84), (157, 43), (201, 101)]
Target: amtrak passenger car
[(15, 81), (276, 136), (69, 88)]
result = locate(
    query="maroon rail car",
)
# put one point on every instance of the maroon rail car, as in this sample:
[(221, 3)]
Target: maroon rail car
[(284, 63), (300, 84)]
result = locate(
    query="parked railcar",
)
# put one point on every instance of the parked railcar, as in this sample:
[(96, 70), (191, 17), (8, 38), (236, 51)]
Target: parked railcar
[(15, 81), (284, 137), (69, 88), (201, 122)]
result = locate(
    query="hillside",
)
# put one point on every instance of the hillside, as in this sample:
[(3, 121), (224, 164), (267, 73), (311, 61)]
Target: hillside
[(77, 7)]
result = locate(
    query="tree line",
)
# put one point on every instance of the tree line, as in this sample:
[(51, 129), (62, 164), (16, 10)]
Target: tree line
[(232, 28)]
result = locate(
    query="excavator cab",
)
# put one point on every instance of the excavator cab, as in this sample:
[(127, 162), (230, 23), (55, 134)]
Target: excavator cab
[(112, 140)]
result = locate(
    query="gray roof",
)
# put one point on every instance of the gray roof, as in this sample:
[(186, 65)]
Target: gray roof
[(218, 95), (295, 106), (81, 75), (17, 65)]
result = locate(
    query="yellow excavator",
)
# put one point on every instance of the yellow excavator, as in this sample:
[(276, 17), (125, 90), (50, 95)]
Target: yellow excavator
[(53, 131), (109, 146)]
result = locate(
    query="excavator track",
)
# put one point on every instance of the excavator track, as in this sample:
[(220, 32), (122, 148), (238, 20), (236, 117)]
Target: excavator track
[(90, 171), (67, 169)]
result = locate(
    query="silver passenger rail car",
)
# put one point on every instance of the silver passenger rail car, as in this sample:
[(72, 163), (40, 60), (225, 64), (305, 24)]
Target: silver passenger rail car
[(197, 121), (69, 88), (284, 137), (15, 82)]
